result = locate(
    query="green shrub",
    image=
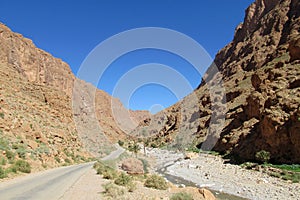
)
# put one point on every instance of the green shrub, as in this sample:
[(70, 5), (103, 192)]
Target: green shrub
[(22, 166), (157, 182), (21, 153), (104, 170), (57, 159), (43, 149), (33, 155), (20, 150), (99, 167), (109, 174), (67, 160), (263, 156), (121, 143), (181, 196), (10, 155), (193, 149), (140, 177), (2, 161), (77, 158), (249, 165), (131, 186), (15, 146), (2, 115), (153, 145), (293, 176), (275, 174), (112, 190), (96, 164), (293, 168), (44, 166), (12, 169), (100, 170), (4, 144), (134, 148), (3, 173), (123, 179)]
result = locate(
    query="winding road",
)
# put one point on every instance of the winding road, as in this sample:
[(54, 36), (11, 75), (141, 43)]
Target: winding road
[(115, 154), (48, 185)]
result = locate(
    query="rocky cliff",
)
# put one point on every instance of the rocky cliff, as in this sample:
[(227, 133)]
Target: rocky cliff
[(37, 114), (260, 72)]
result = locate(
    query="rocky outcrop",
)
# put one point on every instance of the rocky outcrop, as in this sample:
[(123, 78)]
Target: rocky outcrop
[(265, 49), (101, 119), (268, 28), (37, 107), (37, 122), (260, 70), (34, 64)]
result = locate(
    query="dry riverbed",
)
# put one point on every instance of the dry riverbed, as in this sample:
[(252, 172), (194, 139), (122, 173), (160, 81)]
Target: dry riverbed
[(211, 172)]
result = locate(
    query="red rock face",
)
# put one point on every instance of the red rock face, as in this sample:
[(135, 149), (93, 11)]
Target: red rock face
[(265, 46), (36, 65), (35, 80), (261, 72)]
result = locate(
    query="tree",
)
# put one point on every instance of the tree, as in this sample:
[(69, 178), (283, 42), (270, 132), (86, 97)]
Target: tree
[(143, 134), (263, 156), (135, 148), (146, 143), (121, 143)]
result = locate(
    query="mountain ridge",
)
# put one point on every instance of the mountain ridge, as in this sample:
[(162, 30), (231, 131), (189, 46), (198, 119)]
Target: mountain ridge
[(260, 73), (37, 110)]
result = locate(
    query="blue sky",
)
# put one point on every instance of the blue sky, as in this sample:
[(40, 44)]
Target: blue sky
[(70, 30)]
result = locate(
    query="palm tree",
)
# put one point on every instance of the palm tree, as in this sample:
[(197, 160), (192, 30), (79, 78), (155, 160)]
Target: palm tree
[(135, 148)]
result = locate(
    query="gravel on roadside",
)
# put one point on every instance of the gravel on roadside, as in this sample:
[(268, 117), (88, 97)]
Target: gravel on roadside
[(211, 172)]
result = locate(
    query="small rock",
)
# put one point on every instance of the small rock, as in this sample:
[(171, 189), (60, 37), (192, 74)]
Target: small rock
[(191, 155)]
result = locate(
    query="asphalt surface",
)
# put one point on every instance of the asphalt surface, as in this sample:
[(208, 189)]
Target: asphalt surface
[(50, 184), (115, 154)]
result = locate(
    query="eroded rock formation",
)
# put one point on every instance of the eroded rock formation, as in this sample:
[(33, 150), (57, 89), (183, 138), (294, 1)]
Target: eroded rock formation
[(260, 70)]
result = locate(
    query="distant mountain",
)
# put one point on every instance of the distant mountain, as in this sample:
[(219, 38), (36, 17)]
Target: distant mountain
[(37, 112), (259, 108)]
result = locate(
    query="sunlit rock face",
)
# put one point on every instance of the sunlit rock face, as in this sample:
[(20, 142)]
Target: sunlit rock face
[(260, 70)]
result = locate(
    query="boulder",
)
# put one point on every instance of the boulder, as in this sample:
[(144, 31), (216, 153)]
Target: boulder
[(197, 193), (133, 166)]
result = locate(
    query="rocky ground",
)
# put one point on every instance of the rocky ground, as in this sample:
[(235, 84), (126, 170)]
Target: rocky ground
[(211, 172), (91, 187)]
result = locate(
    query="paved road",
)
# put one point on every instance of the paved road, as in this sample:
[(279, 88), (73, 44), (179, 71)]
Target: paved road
[(50, 184), (115, 154)]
